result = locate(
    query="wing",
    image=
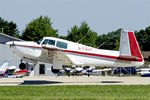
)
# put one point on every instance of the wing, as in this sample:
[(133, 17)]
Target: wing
[(51, 53)]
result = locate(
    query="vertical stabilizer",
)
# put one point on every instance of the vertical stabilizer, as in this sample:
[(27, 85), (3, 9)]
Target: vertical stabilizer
[(129, 47), (4, 66), (124, 44)]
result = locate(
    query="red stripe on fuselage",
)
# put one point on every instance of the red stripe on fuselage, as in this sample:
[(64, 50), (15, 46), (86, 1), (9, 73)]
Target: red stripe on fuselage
[(105, 56), (91, 54)]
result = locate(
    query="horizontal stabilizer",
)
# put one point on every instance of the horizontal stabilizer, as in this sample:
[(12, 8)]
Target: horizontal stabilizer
[(129, 58)]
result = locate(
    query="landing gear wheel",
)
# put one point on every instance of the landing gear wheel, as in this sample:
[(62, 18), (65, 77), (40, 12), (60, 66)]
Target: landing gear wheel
[(55, 71), (22, 66)]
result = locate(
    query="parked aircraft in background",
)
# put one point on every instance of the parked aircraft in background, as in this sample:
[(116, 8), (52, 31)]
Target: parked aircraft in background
[(78, 69), (3, 68), (74, 71), (62, 52), (68, 71), (11, 71), (144, 72)]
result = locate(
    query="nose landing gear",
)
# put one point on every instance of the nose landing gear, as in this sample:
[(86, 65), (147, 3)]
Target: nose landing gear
[(22, 66)]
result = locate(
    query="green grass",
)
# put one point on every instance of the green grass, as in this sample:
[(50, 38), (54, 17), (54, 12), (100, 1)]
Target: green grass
[(99, 92)]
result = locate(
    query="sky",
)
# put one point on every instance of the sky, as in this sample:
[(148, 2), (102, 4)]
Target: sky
[(102, 16)]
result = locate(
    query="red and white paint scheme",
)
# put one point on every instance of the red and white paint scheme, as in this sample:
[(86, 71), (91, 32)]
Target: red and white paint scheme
[(13, 71), (62, 52)]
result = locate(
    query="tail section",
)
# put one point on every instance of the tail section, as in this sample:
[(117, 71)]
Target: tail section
[(129, 48), (4, 66)]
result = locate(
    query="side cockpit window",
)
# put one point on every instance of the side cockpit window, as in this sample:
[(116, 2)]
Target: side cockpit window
[(45, 41), (61, 44), (49, 42)]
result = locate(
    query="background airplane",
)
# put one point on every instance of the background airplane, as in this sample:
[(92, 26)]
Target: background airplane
[(3, 68), (61, 52), (11, 71), (144, 72)]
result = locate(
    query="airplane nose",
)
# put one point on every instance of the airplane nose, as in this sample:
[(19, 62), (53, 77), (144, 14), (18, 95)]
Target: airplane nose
[(9, 43)]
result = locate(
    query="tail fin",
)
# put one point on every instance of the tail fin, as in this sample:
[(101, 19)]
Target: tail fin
[(129, 48), (4, 66)]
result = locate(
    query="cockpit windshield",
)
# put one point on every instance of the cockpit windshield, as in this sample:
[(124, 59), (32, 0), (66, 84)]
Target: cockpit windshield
[(38, 42), (49, 42)]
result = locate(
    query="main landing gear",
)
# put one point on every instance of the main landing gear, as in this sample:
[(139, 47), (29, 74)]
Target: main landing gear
[(55, 71), (22, 65)]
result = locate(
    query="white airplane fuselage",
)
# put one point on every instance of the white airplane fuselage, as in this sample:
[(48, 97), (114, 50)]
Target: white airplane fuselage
[(71, 53)]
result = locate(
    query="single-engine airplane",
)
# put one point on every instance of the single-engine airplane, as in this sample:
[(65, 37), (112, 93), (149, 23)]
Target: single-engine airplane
[(61, 52)]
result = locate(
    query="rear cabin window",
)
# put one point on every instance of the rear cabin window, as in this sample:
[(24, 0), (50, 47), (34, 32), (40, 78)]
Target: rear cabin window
[(61, 44), (49, 42)]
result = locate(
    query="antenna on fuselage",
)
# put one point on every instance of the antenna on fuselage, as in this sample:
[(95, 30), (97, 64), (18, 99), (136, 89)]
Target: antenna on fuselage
[(101, 45), (83, 37)]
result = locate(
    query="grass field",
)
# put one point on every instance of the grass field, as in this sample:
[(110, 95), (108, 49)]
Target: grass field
[(113, 92)]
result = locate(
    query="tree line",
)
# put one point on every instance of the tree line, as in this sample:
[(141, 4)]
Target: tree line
[(42, 26)]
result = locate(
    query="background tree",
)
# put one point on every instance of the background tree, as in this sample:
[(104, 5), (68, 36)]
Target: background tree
[(82, 34), (38, 28), (9, 28), (109, 41), (63, 37), (143, 37)]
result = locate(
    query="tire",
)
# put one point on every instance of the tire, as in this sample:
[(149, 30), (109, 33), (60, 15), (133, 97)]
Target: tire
[(55, 71), (22, 66)]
